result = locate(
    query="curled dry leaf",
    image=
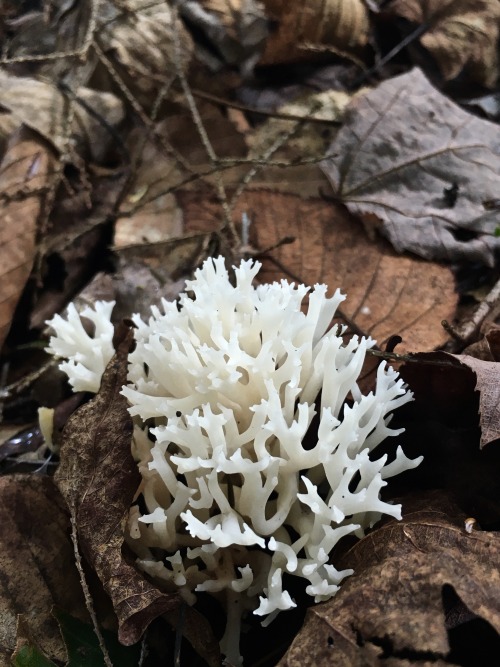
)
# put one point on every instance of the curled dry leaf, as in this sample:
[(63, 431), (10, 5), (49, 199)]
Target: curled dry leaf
[(423, 169), (307, 27), (386, 294), (409, 576), (460, 34), (91, 136), (37, 559), (98, 479), (24, 176)]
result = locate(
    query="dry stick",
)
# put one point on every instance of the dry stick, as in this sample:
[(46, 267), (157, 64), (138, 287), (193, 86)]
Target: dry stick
[(222, 101), (418, 32), (228, 223), (138, 109), (76, 53), (86, 592), (466, 331), (264, 158)]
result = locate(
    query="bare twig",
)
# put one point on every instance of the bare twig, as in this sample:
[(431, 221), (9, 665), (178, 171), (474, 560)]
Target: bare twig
[(222, 101), (86, 592), (464, 333), (228, 225)]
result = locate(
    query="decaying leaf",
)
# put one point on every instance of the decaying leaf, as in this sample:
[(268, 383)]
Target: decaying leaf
[(424, 169), (387, 294), (37, 559), (303, 28), (409, 577), (24, 175), (98, 479), (90, 132), (461, 34)]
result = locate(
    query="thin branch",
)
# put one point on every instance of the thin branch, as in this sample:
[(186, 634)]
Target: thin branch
[(228, 225), (86, 592)]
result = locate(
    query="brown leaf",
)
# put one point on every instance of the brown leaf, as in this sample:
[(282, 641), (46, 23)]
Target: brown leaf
[(37, 559), (487, 375), (24, 173), (424, 167), (408, 576), (98, 479), (461, 34), (89, 134), (302, 28), (386, 294)]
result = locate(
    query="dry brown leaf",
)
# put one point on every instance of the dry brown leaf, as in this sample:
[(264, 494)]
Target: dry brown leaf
[(89, 135), (387, 294), (98, 479), (409, 157), (397, 608), (37, 559), (306, 27), (461, 34), (487, 375), (24, 174)]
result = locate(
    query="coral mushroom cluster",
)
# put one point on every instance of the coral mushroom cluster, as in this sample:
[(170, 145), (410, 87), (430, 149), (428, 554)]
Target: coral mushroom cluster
[(239, 484)]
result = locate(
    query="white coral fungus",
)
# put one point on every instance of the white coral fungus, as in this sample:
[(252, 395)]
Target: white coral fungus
[(240, 486)]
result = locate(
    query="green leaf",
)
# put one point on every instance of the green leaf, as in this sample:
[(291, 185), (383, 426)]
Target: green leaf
[(83, 646), (30, 656)]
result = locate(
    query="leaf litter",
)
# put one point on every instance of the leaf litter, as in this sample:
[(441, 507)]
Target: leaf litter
[(139, 167)]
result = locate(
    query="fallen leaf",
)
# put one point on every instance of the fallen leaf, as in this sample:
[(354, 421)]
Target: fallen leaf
[(423, 168), (303, 29), (37, 558), (460, 35), (395, 608), (89, 134), (98, 479), (487, 375), (24, 176), (386, 294)]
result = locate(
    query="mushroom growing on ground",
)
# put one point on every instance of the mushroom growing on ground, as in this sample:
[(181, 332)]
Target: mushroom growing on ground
[(240, 486)]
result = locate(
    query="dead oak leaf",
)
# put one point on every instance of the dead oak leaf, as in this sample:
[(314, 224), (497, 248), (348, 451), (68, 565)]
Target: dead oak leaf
[(98, 479), (461, 34), (424, 169), (397, 604)]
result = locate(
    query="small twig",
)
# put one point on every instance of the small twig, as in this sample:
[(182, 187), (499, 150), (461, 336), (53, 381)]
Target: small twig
[(468, 329), (228, 225), (24, 382), (271, 114), (418, 32), (86, 592)]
